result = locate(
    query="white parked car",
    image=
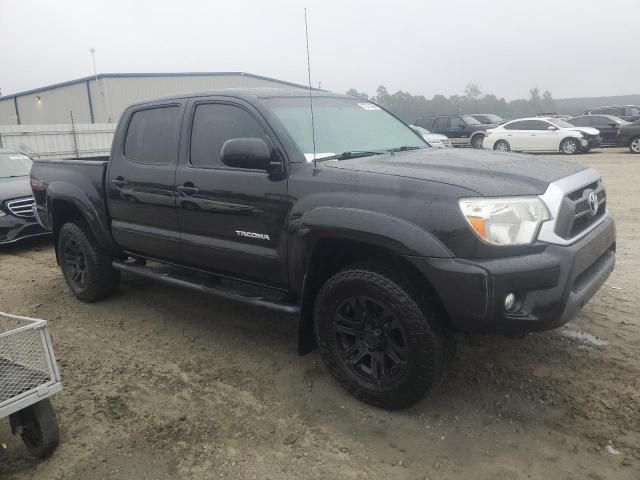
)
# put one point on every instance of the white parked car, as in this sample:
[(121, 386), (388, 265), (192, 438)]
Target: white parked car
[(538, 134), (435, 139)]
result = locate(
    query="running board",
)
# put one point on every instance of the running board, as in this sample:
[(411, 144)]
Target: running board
[(194, 283)]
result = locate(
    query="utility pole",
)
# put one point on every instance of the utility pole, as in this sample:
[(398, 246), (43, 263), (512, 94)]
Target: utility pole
[(92, 51)]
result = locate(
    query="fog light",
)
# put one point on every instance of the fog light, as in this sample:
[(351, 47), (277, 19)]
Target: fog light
[(510, 302)]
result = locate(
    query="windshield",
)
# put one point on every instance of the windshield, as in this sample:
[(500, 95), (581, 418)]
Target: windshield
[(14, 165), (342, 125), (561, 123)]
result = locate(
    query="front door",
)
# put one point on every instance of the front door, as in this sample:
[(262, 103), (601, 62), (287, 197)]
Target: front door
[(140, 181), (233, 221)]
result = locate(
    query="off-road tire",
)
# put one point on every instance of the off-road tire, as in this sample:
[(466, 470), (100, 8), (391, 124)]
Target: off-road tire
[(566, 148), (476, 140), (100, 279), (430, 345), (507, 147), (40, 432)]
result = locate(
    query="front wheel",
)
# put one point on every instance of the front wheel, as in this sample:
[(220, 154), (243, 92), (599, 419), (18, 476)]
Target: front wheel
[(85, 265), (502, 146), (379, 341), (476, 141), (634, 145), (569, 146)]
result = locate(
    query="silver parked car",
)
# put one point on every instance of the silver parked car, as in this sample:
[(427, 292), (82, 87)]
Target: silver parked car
[(435, 139)]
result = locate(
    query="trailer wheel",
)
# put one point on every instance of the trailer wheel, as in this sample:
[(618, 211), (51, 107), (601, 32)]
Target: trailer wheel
[(85, 265), (40, 429)]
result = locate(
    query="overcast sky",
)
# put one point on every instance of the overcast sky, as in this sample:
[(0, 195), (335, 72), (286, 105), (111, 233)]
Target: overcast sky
[(572, 48)]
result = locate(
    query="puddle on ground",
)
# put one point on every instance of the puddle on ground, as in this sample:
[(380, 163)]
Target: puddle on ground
[(584, 337)]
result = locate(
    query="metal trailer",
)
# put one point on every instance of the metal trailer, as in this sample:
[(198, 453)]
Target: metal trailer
[(28, 376)]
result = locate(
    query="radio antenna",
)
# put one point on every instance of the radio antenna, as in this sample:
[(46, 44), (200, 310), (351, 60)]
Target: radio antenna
[(313, 130)]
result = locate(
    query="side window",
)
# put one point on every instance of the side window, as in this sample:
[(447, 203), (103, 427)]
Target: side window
[(441, 124), (599, 121), (582, 121), (214, 124), (152, 136), (516, 126), (457, 123), (537, 125), (618, 112), (425, 123)]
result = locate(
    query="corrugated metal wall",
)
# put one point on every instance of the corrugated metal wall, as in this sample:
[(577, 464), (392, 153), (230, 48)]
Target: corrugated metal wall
[(59, 141), (54, 106), (111, 95)]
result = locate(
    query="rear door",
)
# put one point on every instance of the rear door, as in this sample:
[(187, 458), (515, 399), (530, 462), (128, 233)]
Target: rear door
[(233, 221), (140, 181), (517, 134)]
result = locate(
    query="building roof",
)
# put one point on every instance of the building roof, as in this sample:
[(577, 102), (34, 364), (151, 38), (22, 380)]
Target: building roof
[(143, 75)]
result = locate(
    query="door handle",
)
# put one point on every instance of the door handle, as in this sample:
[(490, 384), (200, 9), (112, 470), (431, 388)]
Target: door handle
[(188, 189), (118, 181)]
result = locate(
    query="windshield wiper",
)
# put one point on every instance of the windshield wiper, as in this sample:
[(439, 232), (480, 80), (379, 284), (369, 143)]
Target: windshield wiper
[(351, 154), (404, 148)]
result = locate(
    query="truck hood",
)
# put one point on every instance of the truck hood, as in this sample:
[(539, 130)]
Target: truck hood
[(484, 172), (14, 188)]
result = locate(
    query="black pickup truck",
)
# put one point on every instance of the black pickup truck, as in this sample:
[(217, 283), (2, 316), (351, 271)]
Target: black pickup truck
[(382, 246)]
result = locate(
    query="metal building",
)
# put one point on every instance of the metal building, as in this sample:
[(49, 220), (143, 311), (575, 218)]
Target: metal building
[(103, 98)]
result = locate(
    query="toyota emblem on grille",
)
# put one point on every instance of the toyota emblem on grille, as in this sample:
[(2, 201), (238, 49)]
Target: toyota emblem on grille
[(593, 203)]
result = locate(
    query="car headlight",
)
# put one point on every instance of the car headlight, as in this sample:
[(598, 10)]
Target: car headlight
[(507, 220)]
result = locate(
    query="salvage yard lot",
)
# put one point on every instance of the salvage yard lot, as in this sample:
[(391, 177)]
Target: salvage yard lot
[(167, 383)]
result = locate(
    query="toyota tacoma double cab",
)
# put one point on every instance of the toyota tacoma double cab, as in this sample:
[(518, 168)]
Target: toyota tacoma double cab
[(462, 130), (381, 246)]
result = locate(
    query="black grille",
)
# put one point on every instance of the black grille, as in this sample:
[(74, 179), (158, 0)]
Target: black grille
[(575, 214)]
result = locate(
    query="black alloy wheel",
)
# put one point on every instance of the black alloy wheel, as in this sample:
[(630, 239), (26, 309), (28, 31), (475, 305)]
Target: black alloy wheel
[(370, 340)]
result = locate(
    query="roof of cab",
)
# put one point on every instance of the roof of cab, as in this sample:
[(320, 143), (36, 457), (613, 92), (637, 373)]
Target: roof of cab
[(249, 94)]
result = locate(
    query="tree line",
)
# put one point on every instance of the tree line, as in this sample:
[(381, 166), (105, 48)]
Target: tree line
[(409, 107)]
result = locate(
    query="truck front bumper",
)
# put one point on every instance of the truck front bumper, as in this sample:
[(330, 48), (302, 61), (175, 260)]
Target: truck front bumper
[(550, 287), (14, 228)]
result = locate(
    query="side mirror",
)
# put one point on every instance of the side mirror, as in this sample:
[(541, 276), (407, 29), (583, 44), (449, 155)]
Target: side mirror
[(613, 124), (551, 127), (250, 153)]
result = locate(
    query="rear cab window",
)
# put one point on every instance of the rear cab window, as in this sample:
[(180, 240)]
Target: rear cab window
[(152, 135)]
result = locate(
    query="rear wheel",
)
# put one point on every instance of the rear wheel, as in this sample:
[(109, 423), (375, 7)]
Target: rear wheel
[(476, 141), (569, 146), (85, 265), (634, 145), (378, 340), (502, 146)]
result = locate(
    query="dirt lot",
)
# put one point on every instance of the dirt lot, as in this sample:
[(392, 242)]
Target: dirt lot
[(173, 384)]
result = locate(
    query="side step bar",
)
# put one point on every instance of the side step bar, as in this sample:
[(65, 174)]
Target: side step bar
[(199, 285)]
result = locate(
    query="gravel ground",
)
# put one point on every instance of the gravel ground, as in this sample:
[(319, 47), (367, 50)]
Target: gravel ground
[(165, 383)]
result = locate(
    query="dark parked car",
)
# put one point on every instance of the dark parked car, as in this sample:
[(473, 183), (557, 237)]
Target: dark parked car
[(607, 124), (462, 130), (629, 136), (630, 113), (381, 246), (488, 118), (17, 220)]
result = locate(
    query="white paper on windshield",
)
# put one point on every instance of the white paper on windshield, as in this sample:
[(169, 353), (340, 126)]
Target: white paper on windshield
[(369, 106), (309, 156), (18, 157)]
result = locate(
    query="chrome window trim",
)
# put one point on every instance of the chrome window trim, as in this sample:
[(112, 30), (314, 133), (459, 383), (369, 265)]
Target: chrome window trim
[(555, 193)]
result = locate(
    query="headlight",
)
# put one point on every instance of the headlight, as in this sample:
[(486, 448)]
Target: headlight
[(505, 221)]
